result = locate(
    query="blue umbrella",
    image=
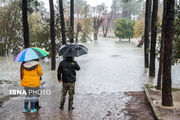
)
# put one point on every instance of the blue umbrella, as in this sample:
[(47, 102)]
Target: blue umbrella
[(30, 54)]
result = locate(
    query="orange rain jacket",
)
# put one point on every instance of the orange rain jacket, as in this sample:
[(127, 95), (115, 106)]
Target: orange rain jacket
[(31, 72)]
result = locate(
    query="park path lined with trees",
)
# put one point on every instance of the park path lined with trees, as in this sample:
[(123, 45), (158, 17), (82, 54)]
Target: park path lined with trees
[(166, 49), (157, 22), (102, 88)]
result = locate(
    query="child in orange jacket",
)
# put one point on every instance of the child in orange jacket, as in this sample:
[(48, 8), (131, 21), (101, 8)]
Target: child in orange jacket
[(30, 80)]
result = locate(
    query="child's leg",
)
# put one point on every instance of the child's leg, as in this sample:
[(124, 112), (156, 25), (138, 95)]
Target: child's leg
[(37, 103), (37, 100), (71, 91), (64, 92), (26, 102), (27, 98), (33, 98), (71, 95), (63, 96), (33, 101)]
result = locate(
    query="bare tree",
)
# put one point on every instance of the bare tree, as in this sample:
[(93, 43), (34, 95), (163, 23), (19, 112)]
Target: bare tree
[(52, 34), (78, 29), (169, 5), (146, 32), (25, 23), (97, 23), (61, 12), (153, 38), (99, 13), (106, 24)]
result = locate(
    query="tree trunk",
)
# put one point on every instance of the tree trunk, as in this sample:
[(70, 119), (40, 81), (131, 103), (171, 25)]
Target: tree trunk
[(104, 32), (95, 36), (77, 35), (25, 23), (141, 42), (146, 32), (161, 53), (61, 12), (153, 38), (167, 99), (129, 39), (97, 21), (160, 67), (106, 27), (78, 29), (52, 34), (72, 21)]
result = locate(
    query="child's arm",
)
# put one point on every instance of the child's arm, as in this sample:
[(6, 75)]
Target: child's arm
[(59, 72), (39, 70), (21, 71), (77, 67)]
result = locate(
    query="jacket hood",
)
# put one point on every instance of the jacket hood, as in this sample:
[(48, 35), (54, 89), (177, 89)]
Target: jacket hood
[(30, 65), (70, 59)]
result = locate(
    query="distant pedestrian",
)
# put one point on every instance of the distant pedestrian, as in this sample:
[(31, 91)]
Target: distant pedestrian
[(30, 72), (67, 74)]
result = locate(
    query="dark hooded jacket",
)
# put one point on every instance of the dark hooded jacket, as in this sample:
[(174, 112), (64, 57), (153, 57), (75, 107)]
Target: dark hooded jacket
[(67, 70)]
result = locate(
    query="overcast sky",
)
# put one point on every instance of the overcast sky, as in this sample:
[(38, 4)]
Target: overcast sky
[(91, 2), (97, 2)]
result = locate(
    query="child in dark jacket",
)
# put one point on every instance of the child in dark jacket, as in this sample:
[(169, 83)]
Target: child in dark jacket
[(67, 74)]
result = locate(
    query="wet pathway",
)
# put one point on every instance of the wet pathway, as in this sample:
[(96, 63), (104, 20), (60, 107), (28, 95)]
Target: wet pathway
[(108, 73)]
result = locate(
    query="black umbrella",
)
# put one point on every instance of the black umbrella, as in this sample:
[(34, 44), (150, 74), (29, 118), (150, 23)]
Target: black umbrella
[(73, 50)]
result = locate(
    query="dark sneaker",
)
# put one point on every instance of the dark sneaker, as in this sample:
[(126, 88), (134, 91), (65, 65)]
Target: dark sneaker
[(37, 107), (70, 108)]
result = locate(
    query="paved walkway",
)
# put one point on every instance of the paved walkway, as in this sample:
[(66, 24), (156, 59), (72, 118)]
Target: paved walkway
[(108, 73)]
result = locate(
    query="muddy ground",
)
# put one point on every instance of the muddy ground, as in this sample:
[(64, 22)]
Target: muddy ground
[(138, 107)]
